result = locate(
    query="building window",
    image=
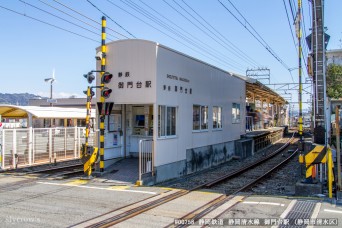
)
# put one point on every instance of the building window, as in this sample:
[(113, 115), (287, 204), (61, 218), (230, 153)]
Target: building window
[(166, 121), (200, 117), (236, 113), (217, 117)]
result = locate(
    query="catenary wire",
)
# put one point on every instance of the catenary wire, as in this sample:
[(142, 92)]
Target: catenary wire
[(199, 28), (75, 11), (171, 29), (190, 38), (234, 47), (84, 22), (260, 39), (110, 18), (44, 22), (33, 6), (205, 27), (171, 37)]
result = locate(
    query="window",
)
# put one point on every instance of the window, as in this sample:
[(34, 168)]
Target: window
[(236, 113), (166, 121), (199, 117), (217, 117)]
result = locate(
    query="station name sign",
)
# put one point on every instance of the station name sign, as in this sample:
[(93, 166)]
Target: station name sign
[(174, 77)]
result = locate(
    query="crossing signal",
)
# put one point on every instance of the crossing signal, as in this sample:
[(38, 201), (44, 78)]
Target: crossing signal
[(106, 77), (90, 77), (92, 93), (106, 92)]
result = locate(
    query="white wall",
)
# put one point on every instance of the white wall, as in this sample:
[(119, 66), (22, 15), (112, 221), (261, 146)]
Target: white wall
[(210, 86), (147, 61), (138, 57)]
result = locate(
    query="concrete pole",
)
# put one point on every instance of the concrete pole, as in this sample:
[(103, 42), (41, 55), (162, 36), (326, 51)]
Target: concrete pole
[(338, 149)]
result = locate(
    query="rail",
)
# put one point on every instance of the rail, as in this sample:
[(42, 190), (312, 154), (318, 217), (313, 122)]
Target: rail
[(116, 216), (146, 157)]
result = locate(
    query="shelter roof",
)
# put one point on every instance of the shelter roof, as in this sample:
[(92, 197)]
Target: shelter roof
[(13, 111), (260, 90)]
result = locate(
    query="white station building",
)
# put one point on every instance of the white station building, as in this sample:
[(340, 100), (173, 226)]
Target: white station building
[(192, 111)]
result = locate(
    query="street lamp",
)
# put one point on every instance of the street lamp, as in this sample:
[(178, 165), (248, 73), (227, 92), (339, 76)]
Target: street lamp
[(51, 80)]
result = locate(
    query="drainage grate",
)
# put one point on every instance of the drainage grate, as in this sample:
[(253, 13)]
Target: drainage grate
[(300, 211)]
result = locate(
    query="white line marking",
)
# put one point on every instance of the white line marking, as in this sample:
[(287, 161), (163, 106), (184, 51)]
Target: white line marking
[(288, 209), (264, 203), (315, 213), (250, 202), (99, 188), (334, 211)]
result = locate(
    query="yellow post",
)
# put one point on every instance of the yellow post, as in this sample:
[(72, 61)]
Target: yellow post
[(330, 172), (102, 99)]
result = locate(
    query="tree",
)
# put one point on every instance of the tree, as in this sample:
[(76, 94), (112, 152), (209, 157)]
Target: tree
[(334, 81)]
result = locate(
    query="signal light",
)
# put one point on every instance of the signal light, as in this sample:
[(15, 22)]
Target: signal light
[(90, 77), (92, 93), (106, 77), (106, 92)]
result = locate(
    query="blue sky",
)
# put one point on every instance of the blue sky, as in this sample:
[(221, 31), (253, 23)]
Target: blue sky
[(31, 49)]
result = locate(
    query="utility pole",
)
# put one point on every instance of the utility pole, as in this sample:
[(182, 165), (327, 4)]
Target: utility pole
[(299, 36), (318, 67)]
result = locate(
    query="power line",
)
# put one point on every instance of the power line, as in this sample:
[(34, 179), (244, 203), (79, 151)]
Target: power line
[(293, 39), (173, 38), (190, 38), (58, 17), (110, 18), (237, 50), (267, 47), (75, 11), (90, 25), (55, 26), (200, 29)]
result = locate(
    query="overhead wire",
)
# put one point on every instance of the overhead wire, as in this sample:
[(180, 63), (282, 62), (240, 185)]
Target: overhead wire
[(171, 37), (258, 38), (75, 11), (200, 29), (171, 29), (110, 18), (188, 37), (33, 6), (236, 49), (84, 22), (293, 39), (44, 22)]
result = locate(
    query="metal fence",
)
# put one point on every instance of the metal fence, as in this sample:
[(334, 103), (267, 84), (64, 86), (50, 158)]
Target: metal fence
[(146, 161), (30, 146)]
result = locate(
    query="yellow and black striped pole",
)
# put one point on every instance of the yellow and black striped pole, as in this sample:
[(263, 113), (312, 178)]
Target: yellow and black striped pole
[(299, 34), (88, 106), (102, 99)]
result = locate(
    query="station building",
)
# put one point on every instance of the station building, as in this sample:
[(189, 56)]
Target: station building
[(191, 111)]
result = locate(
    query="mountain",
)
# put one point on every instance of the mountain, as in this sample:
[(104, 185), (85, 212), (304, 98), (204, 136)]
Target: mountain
[(17, 98)]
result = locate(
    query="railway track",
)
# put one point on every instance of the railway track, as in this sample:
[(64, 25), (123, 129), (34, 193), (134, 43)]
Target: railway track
[(116, 216)]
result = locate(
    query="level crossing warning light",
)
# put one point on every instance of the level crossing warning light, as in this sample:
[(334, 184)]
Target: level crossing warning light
[(90, 77), (106, 77), (106, 92)]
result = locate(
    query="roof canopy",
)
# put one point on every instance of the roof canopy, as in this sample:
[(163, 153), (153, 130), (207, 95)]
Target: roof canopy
[(261, 91), (12, 111)]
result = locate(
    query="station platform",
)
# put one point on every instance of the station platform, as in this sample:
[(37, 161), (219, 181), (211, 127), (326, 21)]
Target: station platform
[(263, 132)]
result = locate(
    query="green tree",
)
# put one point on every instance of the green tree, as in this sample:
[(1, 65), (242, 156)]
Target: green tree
[(334, 81)]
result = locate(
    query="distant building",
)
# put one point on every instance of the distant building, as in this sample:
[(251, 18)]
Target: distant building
[(334, 56), (61, 102)]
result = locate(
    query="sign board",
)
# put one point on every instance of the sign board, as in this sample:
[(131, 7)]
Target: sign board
[(51, 100)]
